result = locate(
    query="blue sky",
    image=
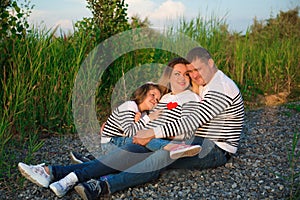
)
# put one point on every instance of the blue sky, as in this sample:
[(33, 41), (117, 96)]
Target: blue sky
[(238, 14)]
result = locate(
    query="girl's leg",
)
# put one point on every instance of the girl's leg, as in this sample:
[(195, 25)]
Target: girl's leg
[(157, 144)]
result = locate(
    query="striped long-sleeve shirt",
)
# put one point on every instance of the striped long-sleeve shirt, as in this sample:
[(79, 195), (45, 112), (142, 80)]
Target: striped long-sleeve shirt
[(218, 117), (121, 122), (174, 107)]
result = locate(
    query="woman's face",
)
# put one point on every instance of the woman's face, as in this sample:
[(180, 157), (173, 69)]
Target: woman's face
[(179, 79), (151, 100)]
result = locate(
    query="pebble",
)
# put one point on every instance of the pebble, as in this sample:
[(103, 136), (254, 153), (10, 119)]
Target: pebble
[(253, 173)]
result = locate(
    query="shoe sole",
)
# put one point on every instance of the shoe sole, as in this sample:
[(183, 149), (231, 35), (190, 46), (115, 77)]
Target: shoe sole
[(55, 191), (74, 160), (26, 175), (80, 191), (189, 153)]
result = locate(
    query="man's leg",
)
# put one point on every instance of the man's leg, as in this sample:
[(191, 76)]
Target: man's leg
[(150, 168)]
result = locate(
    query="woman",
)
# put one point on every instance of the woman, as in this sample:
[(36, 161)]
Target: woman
[(172, 104)]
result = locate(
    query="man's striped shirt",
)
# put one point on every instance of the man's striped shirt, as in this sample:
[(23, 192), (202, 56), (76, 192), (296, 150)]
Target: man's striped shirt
[(218, 117)]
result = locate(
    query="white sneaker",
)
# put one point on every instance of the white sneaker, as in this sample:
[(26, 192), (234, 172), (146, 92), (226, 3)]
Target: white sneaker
[(35, 173), (61, 187), (184, 150)]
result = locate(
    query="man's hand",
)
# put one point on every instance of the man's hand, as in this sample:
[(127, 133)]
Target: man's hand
[(143, 137), (154, 115)]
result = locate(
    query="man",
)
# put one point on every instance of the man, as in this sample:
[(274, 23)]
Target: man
[(217, 122)]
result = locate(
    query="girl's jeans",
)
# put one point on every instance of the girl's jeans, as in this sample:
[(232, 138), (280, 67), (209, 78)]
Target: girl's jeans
[(154, 145)]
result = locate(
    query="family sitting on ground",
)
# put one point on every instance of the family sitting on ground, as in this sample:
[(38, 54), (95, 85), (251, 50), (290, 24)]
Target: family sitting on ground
[(192, 118)]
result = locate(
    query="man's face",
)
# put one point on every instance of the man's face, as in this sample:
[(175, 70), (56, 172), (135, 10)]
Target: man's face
[(195, 75), (201, 73)]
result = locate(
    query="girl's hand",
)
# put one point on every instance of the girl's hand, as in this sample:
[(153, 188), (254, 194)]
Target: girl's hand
[(102, 127), (137, 116)]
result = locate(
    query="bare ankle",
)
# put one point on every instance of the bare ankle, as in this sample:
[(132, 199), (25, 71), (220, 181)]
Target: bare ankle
[(47, 170), (168, 147)]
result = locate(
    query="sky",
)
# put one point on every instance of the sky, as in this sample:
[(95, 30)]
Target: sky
[(238, 14)]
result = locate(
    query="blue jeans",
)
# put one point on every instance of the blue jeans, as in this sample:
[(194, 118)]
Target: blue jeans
[(154, 145), (150, 168), (116, 161), (122, 155)]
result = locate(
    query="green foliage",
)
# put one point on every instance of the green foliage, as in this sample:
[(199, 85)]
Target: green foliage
[(109, 18), (13, 19)]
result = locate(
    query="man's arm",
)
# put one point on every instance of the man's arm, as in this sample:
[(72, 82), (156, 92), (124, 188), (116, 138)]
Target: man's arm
[(195, 115)]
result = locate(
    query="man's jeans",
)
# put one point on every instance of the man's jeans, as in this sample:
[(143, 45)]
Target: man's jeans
[(133, 164), (211, 156)]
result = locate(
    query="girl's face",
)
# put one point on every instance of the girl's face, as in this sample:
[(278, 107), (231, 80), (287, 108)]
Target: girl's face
[(179, 79), (151, 100)]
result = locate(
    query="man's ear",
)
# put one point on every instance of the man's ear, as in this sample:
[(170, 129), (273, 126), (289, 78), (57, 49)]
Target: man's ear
[(211, 62)]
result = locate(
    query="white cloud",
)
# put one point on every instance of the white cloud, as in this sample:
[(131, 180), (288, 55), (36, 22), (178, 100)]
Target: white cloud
[(141, 7), (157, 13), (169, 10)]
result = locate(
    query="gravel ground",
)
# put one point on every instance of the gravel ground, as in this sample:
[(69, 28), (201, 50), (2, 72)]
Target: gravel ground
[(266, 139)]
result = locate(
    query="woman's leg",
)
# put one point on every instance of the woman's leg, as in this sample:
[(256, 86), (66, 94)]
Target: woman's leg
[(115, 161)]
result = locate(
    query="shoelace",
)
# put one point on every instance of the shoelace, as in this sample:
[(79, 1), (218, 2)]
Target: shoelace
[(39, 169), (94, 186), (65, 184)]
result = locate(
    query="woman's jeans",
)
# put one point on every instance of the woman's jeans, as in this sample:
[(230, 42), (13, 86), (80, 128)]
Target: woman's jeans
[(116, 160)]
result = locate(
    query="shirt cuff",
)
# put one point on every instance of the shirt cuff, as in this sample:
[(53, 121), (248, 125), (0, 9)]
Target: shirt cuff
[(146, 119), (179, 137), (158, 132)]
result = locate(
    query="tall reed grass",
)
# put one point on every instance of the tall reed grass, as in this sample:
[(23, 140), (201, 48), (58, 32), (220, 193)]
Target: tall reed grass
[(36, 92)]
